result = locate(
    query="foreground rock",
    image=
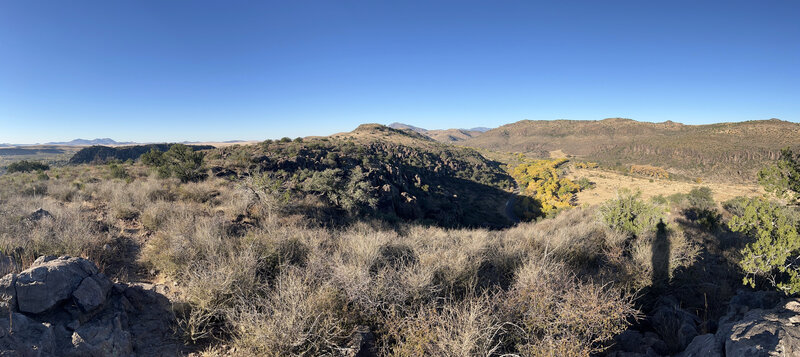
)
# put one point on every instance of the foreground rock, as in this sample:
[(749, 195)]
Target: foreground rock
[(65, 307), (759, 323)]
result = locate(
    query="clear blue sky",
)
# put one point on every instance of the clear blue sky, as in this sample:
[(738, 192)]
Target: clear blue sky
[(168, 70)]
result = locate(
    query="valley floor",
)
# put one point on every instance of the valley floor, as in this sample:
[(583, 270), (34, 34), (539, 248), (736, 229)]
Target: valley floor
[(609, 182)]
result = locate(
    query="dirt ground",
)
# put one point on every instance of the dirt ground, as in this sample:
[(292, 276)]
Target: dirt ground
[(608, 183)]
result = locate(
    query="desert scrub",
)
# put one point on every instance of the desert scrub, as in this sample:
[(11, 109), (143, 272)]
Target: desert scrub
[(65, 230), (300, 316), (557, 314), (469, 327)]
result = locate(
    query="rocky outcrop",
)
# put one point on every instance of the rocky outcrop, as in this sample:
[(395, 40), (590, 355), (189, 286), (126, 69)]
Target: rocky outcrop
[(65, 307), (759, 323)]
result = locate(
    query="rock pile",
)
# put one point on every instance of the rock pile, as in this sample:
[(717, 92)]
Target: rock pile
[(759, 323), (63, 306)]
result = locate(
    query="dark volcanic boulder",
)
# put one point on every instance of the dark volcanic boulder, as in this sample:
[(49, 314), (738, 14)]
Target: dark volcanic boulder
[(65, 307), (760, 324), (50, 281)]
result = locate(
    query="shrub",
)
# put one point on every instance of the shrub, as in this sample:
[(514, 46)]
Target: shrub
[(585, 184), (782, 178), (301, 316), (118, 171), (629, 214), (560, 315), (185, 163), (352, 193), (771, 255), (458, 328), (701, 198), (702, 208), (154, 158), (26, 166), (180, 161)]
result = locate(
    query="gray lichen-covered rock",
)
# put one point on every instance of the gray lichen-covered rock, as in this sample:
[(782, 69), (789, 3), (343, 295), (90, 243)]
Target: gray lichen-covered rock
[(766, 332), (50, 281), (65, 307)]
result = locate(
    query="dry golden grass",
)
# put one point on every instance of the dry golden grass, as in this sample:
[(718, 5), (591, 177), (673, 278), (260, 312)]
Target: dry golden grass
[(268, 283), (609, 183)]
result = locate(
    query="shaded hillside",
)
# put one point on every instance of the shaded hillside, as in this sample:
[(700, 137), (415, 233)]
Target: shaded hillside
[(409, 175), (444, 135), (100, 154), (726, 151)]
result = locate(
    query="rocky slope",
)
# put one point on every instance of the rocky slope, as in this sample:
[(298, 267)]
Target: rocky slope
[(721, 151), (411, 176)]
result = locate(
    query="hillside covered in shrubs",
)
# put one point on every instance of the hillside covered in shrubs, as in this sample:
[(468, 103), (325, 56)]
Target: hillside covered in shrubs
[(376, 170), (723, 151), (102, 154)]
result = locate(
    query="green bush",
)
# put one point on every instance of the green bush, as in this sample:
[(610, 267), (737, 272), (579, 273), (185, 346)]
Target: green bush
[(180, 161), (701, 198), (699, 206), (773, 228), (628, 213), (118, 171), (351, 193), (772, 253), (26, 166), (585, 184), (782, 178)]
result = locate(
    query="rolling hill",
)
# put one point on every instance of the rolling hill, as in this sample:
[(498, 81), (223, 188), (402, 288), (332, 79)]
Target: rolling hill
[(724, 151), (443, 135), (411, 176)]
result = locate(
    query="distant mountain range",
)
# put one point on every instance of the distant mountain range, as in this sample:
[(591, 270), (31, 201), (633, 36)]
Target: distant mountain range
[(444, 135), (84, 142), (104, 142)]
